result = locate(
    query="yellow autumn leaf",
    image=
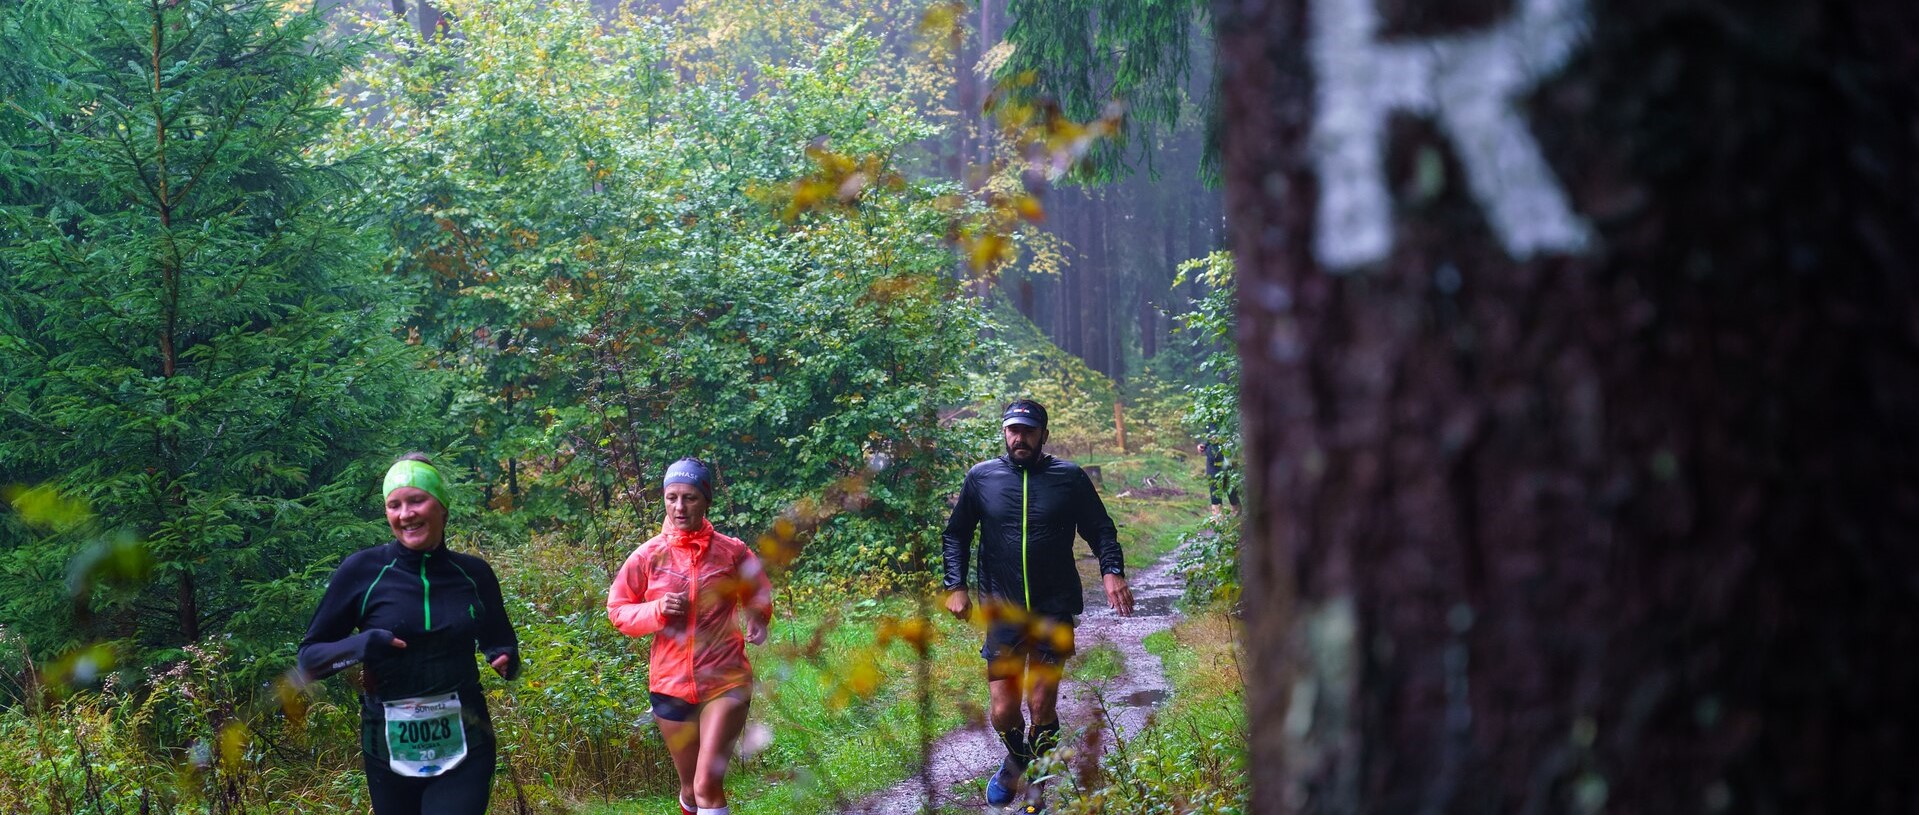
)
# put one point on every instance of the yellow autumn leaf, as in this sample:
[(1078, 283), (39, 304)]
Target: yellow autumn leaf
[(233, 745), (863, 678)]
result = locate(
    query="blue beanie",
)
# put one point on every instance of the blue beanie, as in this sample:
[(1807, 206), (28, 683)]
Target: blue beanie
[(690, 471)]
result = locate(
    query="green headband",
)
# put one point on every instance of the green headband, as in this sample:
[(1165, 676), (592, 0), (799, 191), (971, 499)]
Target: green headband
[(410, 473)]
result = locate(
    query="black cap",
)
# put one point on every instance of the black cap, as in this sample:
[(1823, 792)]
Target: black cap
[(1026, 412)]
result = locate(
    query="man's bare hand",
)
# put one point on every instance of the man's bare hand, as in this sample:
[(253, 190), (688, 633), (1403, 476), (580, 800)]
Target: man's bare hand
[(1119, 595), (959, 602)]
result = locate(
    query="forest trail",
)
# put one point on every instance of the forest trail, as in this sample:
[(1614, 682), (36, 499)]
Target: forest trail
[(970, 753)]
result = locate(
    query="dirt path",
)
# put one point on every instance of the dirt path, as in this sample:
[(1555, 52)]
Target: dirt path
[(971, 753)]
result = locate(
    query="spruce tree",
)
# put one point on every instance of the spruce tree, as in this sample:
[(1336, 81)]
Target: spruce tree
[(196, 331)]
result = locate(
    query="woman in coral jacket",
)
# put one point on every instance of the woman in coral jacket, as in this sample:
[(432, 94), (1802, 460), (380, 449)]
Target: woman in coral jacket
[(690, 587)]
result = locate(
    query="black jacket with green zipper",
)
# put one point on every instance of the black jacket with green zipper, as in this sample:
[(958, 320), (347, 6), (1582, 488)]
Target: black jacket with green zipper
[(442, 604), (1026, 518)]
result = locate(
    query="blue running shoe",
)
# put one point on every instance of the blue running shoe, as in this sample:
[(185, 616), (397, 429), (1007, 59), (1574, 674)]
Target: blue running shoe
[(1000, 793)]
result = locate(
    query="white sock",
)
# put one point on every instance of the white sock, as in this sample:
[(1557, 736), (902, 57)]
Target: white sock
[(715, 811), (685, 805)]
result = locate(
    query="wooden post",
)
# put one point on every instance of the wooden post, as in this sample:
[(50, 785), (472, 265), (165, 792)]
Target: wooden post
[(1119, 424)]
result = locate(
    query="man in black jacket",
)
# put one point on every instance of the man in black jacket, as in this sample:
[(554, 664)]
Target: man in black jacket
[(1026, 506)]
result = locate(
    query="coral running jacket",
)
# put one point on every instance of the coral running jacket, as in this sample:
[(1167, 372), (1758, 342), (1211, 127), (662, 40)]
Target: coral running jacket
[(702, 653)]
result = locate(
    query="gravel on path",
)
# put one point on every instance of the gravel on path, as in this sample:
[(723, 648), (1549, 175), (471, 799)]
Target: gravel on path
[(971, 753)]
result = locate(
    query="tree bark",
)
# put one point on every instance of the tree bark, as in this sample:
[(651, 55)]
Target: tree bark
[(1071, 278), (1099, 275), (1148, 316), (1623, 529)]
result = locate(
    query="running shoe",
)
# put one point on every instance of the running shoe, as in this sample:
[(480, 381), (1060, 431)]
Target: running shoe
[(999, 792)]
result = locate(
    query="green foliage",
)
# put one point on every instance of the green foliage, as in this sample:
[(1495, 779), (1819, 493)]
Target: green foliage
[(572, 726), (197, 334), (614, 277), (594, 265), (1214, 417), (174, 741), (1018, 361), (1209, 562), (1192, 756), (1084, 55), (1099, 664)]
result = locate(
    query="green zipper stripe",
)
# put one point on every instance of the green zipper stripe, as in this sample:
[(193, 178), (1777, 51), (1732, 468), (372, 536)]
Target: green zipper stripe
[(369, 588), (426, 592), (470, 580), (1025, 575)]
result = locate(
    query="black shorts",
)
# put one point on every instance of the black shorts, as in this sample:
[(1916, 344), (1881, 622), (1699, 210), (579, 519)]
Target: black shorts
[(1010, 644), (675, 709)]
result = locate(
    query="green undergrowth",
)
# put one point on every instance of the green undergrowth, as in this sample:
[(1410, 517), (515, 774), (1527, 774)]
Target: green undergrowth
[(1154, 497), (840, 698), (1192, 758), (1099, 664)]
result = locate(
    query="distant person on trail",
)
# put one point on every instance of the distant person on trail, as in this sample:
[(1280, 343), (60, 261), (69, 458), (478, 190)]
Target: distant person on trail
[(1026, 505), (1215, 464), (691, 587), (420, 611)]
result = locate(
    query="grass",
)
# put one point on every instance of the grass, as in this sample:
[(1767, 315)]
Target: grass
[(840, 696), (1099, 664), (833, 744), (1150, 518), (842, 691), (1193, 756)]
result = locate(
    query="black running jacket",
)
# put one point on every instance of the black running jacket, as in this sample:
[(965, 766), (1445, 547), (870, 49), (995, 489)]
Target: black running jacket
[(1026, 518), (442, 604)]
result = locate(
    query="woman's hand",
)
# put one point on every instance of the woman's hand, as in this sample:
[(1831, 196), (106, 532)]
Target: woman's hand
[(755, 630), (674, 605), (501, 663)]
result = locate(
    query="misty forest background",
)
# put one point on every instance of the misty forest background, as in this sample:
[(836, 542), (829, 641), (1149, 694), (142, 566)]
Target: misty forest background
[(1571, 395), (250, 251)]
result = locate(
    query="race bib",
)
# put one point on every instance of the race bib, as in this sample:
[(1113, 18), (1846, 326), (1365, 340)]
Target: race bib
[(424, 736)]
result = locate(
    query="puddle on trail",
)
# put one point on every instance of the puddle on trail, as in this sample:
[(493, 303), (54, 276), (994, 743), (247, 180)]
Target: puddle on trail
[(1152, 606), (1144, 698)]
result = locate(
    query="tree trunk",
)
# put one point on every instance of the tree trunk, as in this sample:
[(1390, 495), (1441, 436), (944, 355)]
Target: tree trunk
[(1148, 316), (1547, 520), (1097, 277), (1071, 277), (432, 21)]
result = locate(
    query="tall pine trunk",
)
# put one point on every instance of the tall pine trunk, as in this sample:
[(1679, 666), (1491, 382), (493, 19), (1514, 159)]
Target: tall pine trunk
[(1627, 528)]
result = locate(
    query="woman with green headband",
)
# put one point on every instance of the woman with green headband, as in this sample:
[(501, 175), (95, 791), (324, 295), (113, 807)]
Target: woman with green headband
[(412, 613)]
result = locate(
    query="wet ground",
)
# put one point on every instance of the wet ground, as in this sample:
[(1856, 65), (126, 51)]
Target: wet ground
[(970, 754)]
